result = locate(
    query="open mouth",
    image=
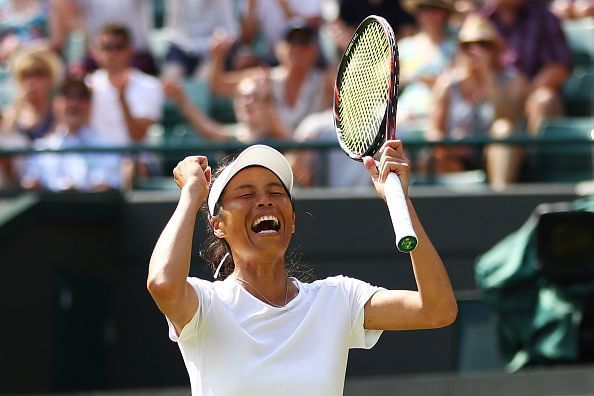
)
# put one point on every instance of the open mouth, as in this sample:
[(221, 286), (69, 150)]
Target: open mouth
[(266, 225)]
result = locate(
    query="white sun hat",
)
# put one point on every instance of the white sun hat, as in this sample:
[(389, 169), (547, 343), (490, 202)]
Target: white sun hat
[(256, 155)]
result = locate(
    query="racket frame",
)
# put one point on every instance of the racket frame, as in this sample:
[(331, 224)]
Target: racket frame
[(406, 239)]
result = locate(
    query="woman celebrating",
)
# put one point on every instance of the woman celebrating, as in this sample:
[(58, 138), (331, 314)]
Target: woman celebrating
[(258, 331)]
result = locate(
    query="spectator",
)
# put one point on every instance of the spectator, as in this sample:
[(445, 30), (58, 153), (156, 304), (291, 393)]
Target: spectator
[(423, 57), (91, 15), (352, 12), (37, 71), (126, 101), (331, 168), (190, 25), (479, 96), (298, 86), (22, 22), (72, 171), (536, 46), (255, 112), (265, 22)]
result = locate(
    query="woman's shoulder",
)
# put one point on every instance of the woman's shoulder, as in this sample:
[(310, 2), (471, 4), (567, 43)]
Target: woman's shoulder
[(336, 281)]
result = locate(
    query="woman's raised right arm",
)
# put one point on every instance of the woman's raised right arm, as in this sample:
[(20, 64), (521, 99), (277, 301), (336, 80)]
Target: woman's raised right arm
[(170, 262)]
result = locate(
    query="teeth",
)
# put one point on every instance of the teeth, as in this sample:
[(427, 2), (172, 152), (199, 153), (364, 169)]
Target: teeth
[(265, 218), (267, 232)]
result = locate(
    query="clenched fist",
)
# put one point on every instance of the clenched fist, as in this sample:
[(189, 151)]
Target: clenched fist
[(193, 173)]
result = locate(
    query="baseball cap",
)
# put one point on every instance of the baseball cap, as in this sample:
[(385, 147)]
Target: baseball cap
[(256, 155), (298, 30)]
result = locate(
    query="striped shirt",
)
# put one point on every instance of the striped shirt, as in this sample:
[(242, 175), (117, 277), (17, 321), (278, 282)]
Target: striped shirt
[(534, 40)]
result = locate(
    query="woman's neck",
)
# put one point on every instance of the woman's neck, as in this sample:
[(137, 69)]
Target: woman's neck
[(266, 279)]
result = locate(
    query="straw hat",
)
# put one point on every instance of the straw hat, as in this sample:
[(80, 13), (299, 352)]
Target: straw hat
[(478, 28), (33, 55), (412, 5)]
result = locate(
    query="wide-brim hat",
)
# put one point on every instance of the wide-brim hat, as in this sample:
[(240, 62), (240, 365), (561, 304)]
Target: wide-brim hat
[(412, 5), (39, 53), (256, 155), (477, 28)]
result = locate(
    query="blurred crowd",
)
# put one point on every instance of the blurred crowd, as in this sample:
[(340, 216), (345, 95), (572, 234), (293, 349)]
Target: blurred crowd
[(100, 73)]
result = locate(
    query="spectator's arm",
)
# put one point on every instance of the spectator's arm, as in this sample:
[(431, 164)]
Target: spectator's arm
[(137, 127), (204, 125), (11, 114), (552, 75), (220, 81), (249, 23), (439, 114), (64, 17)]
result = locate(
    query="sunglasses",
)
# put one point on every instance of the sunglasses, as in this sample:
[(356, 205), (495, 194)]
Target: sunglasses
[(34, 73), (76, 95), (430, 8), (483, 44), (113, 46)]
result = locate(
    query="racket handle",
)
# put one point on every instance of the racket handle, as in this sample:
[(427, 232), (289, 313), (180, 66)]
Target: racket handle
[(406, 238)]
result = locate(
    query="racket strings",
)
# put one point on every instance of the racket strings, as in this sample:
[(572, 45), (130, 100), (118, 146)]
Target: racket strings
[(364, 90)]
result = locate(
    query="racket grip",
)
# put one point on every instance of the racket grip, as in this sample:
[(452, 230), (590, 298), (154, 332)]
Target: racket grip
[(406, 238)]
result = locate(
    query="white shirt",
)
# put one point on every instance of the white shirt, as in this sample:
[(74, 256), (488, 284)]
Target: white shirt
[(191, 23), (238, 345), (310, 99), (144, 96)]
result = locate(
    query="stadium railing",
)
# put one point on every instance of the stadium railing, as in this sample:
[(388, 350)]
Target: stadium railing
[(562, 152)]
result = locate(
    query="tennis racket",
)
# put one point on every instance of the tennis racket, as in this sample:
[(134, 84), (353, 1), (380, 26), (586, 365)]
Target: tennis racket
[(365, 102)]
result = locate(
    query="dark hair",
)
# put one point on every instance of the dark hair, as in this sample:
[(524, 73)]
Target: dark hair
[(116, 29), (215, 248), (77, 84)]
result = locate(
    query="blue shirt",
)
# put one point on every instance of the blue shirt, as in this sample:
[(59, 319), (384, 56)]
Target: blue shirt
[(79, 171)]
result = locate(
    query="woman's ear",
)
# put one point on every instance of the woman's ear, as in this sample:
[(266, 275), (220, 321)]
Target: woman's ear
[(293, 229), (218, 227)]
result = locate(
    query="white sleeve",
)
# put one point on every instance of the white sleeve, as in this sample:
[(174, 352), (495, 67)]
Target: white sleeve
[(358, 293), (203, 290)]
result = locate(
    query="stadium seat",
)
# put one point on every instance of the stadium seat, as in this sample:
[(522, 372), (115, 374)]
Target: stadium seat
[(578, 92), (565, 162), (159, 13), (580, 37)]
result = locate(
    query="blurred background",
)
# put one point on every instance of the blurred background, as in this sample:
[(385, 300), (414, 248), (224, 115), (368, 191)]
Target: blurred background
[(99, 100)]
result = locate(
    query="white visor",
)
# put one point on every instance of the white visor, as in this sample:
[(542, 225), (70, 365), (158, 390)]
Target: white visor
[(256, 155)]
